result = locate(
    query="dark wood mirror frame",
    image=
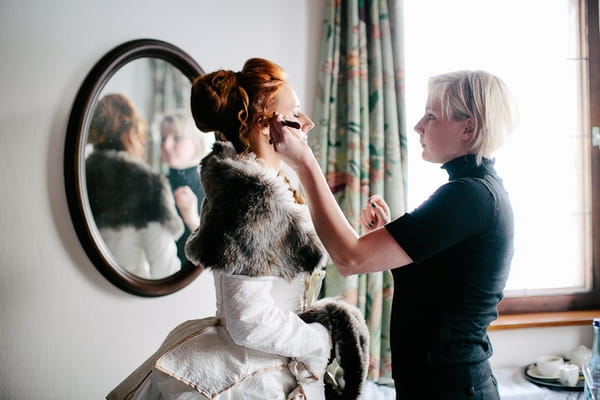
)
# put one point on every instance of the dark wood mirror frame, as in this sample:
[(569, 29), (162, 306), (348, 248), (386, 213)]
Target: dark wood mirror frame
[(74, 163)]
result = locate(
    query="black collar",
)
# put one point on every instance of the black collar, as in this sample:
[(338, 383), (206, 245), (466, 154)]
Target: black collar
[(466, 166)]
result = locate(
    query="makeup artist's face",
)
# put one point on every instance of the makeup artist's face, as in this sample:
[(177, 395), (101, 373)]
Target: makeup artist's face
[(178, 149), (442, 139)]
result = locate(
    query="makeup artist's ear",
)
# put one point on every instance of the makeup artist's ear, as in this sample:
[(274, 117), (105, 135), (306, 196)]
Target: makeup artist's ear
[(469, 129)]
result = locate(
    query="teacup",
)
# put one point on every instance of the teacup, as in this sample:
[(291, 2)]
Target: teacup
[(569, 374), (549, 365), (580, 356)]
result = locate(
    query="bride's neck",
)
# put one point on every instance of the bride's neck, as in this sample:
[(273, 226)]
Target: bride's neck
[(267, 153)]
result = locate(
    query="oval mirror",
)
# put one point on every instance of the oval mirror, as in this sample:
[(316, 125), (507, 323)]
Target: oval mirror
[(117, 178)]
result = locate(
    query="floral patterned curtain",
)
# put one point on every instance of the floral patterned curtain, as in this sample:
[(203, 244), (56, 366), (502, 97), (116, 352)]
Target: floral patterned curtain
[(170, 92), (360, 141)]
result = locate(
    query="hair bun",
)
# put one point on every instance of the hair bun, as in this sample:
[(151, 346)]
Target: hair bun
[(212, 97)]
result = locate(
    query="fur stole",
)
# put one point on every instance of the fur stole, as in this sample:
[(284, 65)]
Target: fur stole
[(250, 224), (124, 191), (345, 379)]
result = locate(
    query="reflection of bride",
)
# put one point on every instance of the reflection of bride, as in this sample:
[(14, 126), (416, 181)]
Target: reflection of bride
[(132, 205), (265, 257)]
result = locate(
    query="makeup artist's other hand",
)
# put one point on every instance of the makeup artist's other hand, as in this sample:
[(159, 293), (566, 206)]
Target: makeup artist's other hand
[(187, 203), (375, 213), (289, 142)]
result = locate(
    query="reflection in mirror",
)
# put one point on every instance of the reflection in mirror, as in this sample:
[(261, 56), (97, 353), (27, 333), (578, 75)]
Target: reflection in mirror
[(131, 201), (131, 158), (182, 148), (132, 204)]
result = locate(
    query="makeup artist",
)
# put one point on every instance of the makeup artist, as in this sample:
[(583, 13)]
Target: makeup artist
[(450, 257)]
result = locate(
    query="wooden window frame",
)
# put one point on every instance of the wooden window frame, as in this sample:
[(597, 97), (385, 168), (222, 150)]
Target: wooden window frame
[(588, 300)]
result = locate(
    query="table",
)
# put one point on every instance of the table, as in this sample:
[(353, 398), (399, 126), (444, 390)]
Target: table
[(512, 385)]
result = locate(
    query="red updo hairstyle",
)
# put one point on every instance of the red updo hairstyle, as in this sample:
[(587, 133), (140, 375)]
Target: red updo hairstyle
[(232, 103), (114, 116)]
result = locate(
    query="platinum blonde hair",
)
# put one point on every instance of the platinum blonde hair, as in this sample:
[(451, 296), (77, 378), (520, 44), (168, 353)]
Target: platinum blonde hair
[(183, 122), (484, 98)]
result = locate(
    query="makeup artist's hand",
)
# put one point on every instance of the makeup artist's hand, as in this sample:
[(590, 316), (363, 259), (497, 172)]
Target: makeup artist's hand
[(290, 142), (375, 213), (187, 203)]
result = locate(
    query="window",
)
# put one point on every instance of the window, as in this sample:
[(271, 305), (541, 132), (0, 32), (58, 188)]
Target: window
[(547, 53)]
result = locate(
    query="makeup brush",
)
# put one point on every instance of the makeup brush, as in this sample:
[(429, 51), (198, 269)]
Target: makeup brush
[(291, 124)]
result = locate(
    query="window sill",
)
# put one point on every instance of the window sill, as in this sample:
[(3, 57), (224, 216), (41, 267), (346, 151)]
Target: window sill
[(545, 319)]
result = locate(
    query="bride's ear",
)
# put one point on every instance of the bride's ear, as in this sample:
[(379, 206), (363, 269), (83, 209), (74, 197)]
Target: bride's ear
[(132, 143), (262, 124), (262, 121)]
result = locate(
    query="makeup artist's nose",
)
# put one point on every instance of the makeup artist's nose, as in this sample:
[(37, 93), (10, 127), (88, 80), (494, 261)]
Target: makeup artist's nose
[(419, 127), (167, 143)]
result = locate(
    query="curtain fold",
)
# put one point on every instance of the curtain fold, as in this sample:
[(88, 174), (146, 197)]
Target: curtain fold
[(360, 142), (170, 92)]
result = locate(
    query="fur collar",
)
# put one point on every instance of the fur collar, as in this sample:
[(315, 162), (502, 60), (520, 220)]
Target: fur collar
[(124, 191), (250, 224)]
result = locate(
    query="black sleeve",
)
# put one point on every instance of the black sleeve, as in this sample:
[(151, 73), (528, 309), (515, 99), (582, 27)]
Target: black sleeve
[(456, 211)]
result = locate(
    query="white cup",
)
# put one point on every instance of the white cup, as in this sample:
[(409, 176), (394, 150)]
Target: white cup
[(569, 374), (580, 356), (549, 365)]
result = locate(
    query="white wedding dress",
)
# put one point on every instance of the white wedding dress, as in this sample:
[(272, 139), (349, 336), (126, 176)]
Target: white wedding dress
[(256, 348)]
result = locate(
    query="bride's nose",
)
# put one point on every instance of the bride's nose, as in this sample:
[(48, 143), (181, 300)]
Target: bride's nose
[(307, 123)]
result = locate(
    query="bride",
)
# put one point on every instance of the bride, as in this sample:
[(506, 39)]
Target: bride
[(269, 338)]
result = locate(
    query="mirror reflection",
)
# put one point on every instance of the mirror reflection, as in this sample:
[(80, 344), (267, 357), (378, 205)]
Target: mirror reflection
[(142, 155)]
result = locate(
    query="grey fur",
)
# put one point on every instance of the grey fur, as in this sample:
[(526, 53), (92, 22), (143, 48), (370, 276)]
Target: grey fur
[(123, 191), (250, 224), (350, 343)]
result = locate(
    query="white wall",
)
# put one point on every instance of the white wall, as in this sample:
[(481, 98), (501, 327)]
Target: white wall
[(65, 332), (520, 347)]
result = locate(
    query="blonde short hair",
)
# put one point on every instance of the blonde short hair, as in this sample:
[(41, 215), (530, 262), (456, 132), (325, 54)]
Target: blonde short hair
[(484, 98), (183, 122)]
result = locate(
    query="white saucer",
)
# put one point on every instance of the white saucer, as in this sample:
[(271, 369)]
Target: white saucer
[(532, 371)]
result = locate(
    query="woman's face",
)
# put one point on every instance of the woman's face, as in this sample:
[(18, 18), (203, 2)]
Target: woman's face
[(442, 139), (289, 107), (178, 150)]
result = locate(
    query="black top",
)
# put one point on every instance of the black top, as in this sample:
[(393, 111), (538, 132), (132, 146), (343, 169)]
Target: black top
[(461, 243), (186, 177)]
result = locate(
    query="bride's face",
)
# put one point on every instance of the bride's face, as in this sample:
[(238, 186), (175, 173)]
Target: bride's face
[(285, 104), (288, 106)]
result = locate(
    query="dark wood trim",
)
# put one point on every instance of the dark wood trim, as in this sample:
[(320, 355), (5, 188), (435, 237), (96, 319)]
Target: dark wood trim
[(594, 65), (544, 320), (74, 174)]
